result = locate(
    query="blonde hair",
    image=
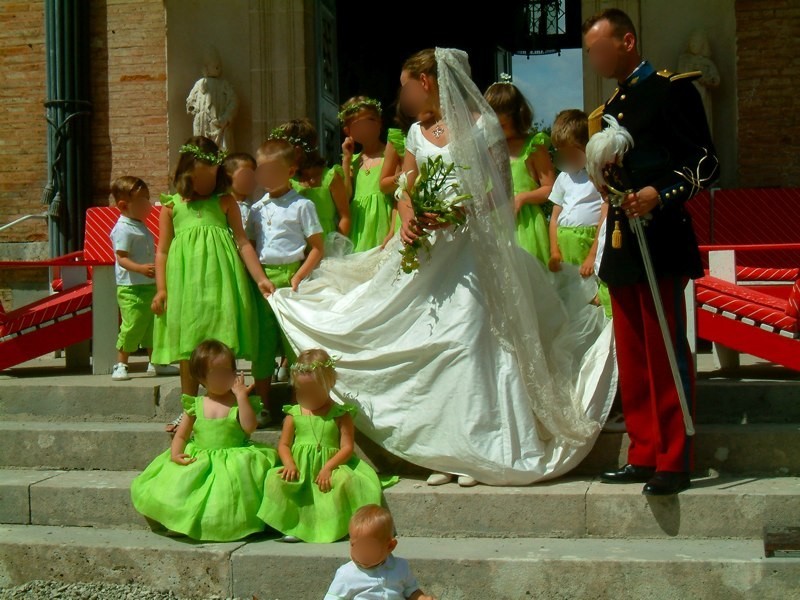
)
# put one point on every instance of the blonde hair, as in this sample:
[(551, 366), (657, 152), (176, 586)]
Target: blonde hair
[(126, 187), (318, 363), (278, 148), (373, 518), (571, 128)]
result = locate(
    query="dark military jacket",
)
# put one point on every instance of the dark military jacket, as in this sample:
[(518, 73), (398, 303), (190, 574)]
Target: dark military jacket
[(672, 152)]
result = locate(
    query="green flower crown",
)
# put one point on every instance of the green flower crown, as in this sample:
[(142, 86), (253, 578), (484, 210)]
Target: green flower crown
[(317, 364), (352, 109), (280, 134), (215, 158)]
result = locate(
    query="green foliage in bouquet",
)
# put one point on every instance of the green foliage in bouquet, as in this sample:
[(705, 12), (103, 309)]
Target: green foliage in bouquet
[(432, 193)]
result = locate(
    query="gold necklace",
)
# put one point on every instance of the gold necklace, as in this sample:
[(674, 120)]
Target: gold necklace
[(270, 214), (314, 433), (368, 167)]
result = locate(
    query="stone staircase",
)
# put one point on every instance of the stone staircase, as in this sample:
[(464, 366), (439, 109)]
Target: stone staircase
[(70, 446)]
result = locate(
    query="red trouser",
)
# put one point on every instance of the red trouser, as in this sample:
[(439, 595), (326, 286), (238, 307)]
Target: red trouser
[(650, 402)]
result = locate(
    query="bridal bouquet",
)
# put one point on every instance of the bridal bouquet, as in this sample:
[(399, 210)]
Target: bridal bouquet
[(432, 193)]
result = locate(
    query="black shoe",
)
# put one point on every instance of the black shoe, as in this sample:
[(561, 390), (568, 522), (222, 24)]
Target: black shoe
[(667, 483), (628, 474)]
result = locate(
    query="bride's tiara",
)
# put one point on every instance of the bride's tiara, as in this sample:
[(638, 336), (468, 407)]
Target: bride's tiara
[(504, 78)]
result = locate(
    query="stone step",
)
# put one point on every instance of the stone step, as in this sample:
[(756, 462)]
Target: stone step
[(145, 399), (450, 569), (766, 449), (739, 400), (715, 507), (96, 399)]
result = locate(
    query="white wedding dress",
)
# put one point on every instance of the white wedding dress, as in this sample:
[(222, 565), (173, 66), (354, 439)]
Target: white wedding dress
[(509, 386)]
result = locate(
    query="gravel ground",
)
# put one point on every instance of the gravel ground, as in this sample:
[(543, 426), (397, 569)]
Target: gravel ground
[(54, 590)]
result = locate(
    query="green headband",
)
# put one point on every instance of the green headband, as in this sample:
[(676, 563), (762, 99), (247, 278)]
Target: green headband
[(317, 364), (215, 158), (352, 109), (280, 134)]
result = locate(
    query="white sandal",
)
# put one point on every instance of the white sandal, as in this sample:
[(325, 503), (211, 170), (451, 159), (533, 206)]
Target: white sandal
[(439, 478), (172, 426)]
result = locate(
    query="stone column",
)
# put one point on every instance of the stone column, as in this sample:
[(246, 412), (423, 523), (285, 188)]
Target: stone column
[(282, 64)]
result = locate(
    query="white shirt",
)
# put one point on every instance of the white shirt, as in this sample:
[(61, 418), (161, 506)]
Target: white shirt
[(132, 236), (579, 200), (391, 580), (281, 226), (244, 210)]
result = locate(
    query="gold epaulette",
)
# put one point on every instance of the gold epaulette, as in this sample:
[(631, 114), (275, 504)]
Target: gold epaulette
[(596, 120), (690, 75)]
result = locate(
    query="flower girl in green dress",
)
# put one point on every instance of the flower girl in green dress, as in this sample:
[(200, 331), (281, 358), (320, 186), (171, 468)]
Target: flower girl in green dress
[(532, 171), (321, 484), (371, 209), (202, 262), (210, 483)]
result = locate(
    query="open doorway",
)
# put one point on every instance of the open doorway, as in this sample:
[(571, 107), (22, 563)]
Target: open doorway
[(371, 52)]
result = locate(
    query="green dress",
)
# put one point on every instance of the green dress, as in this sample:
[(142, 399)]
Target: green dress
[(532, 230), (216, 497), (299, 508), (397, 138), (210, 295), (370, 209), (322, 198)]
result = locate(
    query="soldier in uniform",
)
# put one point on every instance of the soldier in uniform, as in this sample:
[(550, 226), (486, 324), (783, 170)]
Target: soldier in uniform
[(671, 160)]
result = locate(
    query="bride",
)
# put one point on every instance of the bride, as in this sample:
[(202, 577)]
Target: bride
[(480, 363)]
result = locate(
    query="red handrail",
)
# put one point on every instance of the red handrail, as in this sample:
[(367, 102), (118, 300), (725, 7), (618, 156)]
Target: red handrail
[(749, 247)]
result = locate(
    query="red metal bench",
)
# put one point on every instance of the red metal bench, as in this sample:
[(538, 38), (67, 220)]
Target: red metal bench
[(748, 309), (82, 307)]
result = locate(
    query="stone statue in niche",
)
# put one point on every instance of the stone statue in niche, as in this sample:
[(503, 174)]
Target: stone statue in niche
[(213, 103), (697, 57)]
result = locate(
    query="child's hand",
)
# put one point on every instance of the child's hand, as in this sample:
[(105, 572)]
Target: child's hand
[(289, 473), (348, 147), (183, 459), (266, 287), (555, 261), (159, 303), (518, 204), (239, 388), (323, 480), (587, 268), (295, 282), (148, 270)]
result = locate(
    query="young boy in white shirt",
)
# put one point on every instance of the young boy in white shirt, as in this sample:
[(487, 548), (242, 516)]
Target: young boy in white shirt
[(579, 210), (374, 572), (287, 235), (135, 249)]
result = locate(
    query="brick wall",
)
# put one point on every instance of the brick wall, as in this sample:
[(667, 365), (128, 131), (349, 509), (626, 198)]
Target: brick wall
[(768, 72), (129, 93), (23, 150), (129, 120)]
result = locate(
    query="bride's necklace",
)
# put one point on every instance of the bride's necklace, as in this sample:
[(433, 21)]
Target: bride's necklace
[(438, 129)]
